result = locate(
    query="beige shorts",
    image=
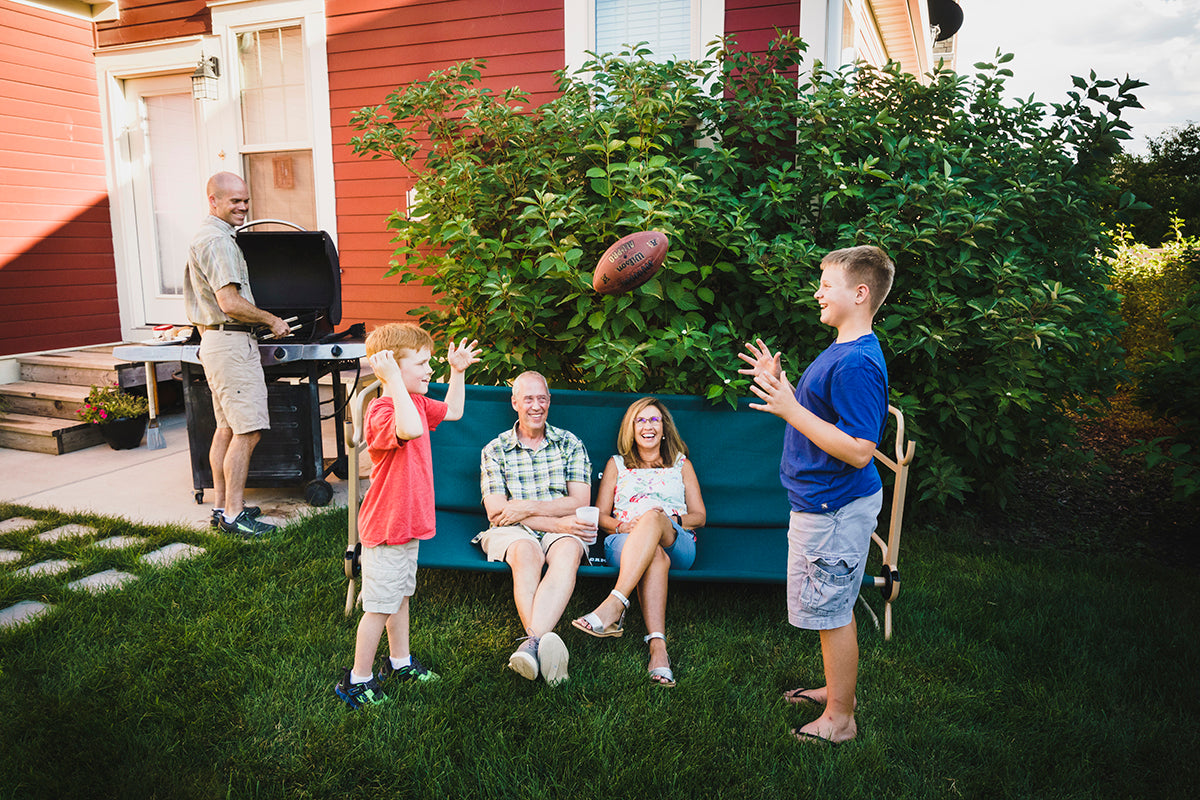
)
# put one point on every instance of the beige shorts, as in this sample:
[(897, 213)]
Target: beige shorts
[(234, 371), (496, 541), (389, 574)]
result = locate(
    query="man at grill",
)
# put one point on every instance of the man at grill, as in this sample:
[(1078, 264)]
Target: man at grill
[(533, 478), (216, 291)]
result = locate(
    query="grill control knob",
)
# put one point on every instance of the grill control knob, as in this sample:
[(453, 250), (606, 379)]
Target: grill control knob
[(280, 353), (336, 350)]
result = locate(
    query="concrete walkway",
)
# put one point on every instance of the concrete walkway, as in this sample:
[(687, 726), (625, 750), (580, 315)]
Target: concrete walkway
[(140, 485)]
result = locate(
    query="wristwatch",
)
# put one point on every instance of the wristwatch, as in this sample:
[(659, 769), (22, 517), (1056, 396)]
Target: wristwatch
[(678, 519)]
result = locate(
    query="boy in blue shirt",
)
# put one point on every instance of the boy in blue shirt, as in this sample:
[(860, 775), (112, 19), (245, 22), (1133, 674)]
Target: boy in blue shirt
[(835, 421)]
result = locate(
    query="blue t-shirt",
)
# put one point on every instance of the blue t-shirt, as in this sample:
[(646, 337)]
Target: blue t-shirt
[(847, 385)]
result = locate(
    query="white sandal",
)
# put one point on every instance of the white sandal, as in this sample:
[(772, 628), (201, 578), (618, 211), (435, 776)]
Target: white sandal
[(663, 676), (591, 624)]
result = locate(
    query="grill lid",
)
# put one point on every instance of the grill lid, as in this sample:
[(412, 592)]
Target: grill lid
[(295, 274)]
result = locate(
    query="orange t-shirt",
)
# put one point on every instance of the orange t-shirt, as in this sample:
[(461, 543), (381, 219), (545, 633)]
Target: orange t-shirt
[(398, 506)]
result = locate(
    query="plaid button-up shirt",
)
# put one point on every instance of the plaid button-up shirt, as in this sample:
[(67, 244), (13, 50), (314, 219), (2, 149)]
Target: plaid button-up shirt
[(513, 470)]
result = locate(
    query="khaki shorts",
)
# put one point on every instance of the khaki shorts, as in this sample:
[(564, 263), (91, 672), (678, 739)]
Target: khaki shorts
[(234, 371), (496, 541), (389, 574)]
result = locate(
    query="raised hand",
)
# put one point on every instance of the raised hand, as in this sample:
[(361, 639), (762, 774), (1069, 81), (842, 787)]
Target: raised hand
[(463, 356), (385, 367), (776, 393), (761, 361)]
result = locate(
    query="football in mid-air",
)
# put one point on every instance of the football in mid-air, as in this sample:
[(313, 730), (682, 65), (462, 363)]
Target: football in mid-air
[(630, 262)]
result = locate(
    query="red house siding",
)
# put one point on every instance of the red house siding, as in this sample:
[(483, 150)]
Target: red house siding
[(375, 47), (152, 20), (57, 275), (753, 23)]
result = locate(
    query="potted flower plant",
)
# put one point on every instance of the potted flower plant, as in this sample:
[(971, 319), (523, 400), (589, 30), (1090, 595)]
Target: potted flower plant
[(122, 417)]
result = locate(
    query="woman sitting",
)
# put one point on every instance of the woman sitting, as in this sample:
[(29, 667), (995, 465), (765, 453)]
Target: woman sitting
[(649, 501)]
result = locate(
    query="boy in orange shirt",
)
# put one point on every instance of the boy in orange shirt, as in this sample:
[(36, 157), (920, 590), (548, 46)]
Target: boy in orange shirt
[(398, 509)]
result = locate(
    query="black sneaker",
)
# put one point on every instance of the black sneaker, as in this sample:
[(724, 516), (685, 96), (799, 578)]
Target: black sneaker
[(357, 695), (215, 522), (245, 525), (412, 672)]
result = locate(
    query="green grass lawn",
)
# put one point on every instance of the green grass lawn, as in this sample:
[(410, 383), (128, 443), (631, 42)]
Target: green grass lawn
[(1014, 672)]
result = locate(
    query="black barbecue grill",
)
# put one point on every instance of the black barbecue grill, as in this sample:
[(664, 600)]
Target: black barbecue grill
[(292, 274)]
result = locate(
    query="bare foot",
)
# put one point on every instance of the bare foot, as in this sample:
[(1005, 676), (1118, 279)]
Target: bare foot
[(827, 730)]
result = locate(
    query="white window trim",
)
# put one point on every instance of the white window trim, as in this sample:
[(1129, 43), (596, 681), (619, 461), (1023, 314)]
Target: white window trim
[(238, 16), (821, 29), (579, 29)]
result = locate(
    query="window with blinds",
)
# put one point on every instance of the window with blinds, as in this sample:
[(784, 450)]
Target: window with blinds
[(665, 25)]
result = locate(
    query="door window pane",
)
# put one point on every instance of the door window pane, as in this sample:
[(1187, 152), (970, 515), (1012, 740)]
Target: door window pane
[(281, 188), (274, 98)]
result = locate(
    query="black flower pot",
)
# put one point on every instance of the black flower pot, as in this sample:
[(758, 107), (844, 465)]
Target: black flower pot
[(124, 434)]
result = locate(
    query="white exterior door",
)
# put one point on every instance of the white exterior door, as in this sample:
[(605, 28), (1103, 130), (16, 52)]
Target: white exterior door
[(163, 143)]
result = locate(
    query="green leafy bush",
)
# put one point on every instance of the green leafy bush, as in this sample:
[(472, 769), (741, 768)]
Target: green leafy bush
[(1000, 317), (1168, 381), (1152, 283)]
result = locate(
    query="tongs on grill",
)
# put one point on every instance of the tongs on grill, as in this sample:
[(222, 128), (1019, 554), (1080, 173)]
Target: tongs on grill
[(293, 328)]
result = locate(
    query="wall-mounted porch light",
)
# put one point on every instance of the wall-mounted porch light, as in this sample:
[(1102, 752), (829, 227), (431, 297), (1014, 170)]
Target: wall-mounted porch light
[(204, 79)]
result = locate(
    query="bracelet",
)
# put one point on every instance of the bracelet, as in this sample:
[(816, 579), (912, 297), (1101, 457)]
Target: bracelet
[(678, 519)]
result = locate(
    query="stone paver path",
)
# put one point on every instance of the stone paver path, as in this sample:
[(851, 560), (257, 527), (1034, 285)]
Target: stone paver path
[(102, 581), (16, 524), (65, 532), (119, 542), (165, 556), (52, 567), (29, 610), (23, 611)]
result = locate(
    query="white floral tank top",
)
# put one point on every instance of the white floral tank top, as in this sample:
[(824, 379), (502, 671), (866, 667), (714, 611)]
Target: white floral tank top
[(640, 490)]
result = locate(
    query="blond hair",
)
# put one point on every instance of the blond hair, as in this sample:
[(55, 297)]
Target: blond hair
[(865, 264), (669, 448), (398, 336)]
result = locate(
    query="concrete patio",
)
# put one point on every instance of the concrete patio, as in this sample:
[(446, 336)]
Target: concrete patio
[(141, 485)]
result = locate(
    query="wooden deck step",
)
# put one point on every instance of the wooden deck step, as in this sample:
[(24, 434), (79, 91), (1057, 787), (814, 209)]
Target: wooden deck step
[(57, 400), (43, 435), (79, 368)]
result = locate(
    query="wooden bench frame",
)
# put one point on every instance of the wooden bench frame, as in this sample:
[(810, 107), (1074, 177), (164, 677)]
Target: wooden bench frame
[(887, 581)]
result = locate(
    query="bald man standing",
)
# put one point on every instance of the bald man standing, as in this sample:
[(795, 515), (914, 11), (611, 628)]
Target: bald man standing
[(216, 292)]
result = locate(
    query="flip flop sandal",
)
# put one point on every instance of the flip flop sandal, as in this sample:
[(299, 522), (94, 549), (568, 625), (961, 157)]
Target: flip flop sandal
[(591, 624), (812, 738), (799, 698)]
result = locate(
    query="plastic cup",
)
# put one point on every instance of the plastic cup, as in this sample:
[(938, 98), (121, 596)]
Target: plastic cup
[(589, 514)]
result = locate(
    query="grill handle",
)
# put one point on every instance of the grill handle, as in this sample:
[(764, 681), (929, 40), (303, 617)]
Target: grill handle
[(274, 221)]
